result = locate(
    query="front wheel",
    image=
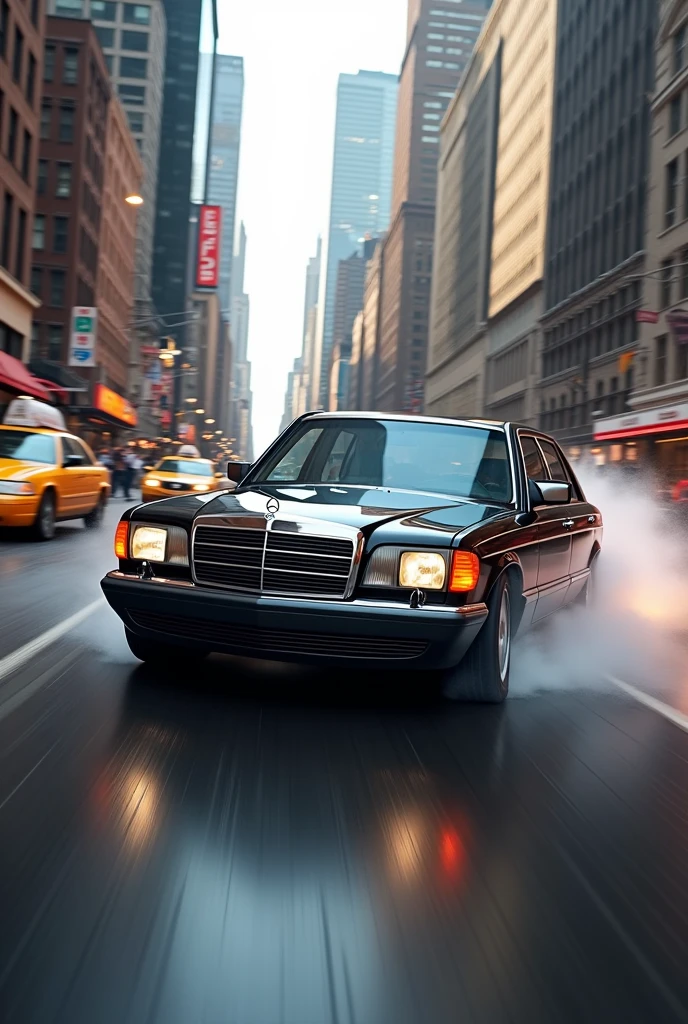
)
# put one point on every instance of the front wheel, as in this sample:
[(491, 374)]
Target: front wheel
[(44, 525), (160, 655), (483, 675)]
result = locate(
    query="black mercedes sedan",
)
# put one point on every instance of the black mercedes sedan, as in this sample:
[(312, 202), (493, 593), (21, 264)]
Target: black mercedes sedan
[(365, 540)]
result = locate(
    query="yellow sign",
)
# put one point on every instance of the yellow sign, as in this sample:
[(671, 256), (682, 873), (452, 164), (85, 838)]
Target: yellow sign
[(114, 405), (625, 361)]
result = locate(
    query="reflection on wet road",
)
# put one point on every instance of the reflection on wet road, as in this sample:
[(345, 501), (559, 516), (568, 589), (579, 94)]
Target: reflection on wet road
[(265, 845)]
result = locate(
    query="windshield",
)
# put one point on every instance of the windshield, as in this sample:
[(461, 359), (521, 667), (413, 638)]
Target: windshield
[(15, 444), (189, 467), (469, 462)]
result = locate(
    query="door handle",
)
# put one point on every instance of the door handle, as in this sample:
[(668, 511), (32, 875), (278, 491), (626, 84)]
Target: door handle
[(567, 524)]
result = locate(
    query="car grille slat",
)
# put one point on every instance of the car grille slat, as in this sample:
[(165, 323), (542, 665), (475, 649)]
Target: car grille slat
[(228, 636), (272, 562)]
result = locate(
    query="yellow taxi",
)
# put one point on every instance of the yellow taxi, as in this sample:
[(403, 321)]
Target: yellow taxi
[(46, 474), (176, 475)]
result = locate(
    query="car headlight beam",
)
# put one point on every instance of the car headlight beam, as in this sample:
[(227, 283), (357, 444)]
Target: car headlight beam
[(422, 570)]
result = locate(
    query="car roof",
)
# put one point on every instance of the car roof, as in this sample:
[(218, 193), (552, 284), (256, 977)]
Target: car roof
[(409, 418), (37, 430)]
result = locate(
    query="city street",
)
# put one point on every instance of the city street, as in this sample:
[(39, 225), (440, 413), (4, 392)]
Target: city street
[(265, 845)]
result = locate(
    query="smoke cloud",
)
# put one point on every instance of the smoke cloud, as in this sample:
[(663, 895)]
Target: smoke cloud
[(635, 629)]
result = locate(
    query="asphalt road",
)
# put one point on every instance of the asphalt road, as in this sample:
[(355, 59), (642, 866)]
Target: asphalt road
[(268, 846)]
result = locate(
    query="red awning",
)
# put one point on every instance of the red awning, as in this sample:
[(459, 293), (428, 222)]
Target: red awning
[(53, 389), (14, 375)]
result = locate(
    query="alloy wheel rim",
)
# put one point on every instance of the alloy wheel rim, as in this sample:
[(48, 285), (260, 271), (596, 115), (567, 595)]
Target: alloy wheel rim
[(47, 516), (504, 635)]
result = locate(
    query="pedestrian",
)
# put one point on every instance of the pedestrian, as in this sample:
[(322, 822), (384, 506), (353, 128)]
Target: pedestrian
[(117, 472), (129, 472)]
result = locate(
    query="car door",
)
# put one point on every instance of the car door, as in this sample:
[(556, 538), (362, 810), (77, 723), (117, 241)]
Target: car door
[(75, 478), (92, 475), (554, 537), (583, 517)]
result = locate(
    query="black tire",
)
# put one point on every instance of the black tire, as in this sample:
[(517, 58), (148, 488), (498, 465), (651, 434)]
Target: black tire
[(94, 518), (160, 655), (46, 518), (483, 675)]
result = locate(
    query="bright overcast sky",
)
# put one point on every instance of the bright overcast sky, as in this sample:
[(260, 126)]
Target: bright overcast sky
[(293, 53)]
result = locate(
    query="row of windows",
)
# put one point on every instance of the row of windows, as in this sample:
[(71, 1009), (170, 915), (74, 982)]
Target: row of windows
[(128, 40), (60, 233), (675, 196), (595, 315), (18, 156), (616, 334), (23, 70), (65, 130), (573, 411), (63, 178), (14, 224), (49, 285), (440, 64), (673, 279), (105, 10)]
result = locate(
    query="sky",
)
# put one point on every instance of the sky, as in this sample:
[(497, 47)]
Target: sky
[(294, 51)]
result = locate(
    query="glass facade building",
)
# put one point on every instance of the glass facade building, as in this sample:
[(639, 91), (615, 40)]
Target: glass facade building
[(361, 186)]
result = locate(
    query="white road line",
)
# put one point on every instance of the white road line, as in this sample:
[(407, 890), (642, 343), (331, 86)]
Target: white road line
[(666, 710), (23, 654)]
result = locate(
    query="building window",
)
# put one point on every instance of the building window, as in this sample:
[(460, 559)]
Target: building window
[(35, 9), (132, 67), (42, 179), (60, 234), (4, 25), (105, 35), (38, 239), (31, 80), (132, 94), (21, 247), (63, 189), (8, 208), (18, 56), (671, 194), (135, 120), (57, 288), (37, 281), (11, 341), (12, 136), (667, 268), (684, 274), (135, 41), (70, 8), (55, 332), (137, 14), (679, 49), (49, 64), (35, 341), (46, 118), (661, 361), (66, 126), (26, 155), (70, 66), (675, 115), (681, 362)]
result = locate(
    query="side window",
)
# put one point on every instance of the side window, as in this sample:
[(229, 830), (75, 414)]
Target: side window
[(290, 467), (554, 463), (69, 448), (338, 457), (81, 449), (535, 467)]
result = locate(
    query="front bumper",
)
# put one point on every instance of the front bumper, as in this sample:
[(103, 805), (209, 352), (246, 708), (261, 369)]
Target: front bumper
[(18, 509), (360, 632)]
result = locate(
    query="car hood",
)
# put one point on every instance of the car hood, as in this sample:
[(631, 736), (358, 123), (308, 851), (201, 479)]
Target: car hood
[(396, 514), (17, 469)]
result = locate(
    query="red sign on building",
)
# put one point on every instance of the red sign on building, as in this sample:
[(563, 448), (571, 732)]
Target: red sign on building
[(208, 262)]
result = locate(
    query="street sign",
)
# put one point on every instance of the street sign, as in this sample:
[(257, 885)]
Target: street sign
[(82, 340)]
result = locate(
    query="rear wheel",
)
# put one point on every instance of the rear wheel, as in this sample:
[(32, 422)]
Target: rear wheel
[(483, 675), (44, 525), (161, 655), (94, 518), (587, 596)]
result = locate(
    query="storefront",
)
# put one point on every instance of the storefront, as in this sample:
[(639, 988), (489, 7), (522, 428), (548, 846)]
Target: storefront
[(110, 420), (654, 439)]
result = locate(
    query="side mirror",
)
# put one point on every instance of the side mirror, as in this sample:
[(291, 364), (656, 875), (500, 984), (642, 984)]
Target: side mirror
[(549, 492), (238, 471), (72, 461)]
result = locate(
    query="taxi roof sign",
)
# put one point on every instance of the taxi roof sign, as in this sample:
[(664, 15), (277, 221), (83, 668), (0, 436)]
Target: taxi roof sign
[(189, 451), (29, 412)]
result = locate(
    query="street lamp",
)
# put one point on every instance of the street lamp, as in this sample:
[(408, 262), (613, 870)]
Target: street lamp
[(199, 412), (134, 199)]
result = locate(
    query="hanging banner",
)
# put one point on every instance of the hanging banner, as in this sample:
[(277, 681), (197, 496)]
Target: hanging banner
[(646, 316), (677, 322), (208, 262), (82, 336)]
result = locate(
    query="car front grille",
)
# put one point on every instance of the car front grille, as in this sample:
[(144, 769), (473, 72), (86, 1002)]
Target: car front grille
[(272, 562), (173, 485), (225, 636)]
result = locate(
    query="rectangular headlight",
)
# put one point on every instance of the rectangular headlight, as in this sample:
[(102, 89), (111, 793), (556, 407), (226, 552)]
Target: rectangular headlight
[(149, 543), (422, 570)]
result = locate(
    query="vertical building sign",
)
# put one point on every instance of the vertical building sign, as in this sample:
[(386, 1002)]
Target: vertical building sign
[(82, 337), (208, 261)]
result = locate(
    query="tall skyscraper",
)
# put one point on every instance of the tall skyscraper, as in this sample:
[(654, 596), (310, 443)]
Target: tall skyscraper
[(439, 46), (191, 25), (223, 170), (240, 397), (361, 189), (133, 38)]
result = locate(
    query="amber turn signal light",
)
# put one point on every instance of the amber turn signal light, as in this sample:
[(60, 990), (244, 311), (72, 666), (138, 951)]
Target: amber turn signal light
[(465, 572), (122, 540)]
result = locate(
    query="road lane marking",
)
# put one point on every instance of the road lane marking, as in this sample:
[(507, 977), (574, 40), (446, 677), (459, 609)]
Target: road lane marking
[(666, 710), (23, 654)]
